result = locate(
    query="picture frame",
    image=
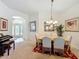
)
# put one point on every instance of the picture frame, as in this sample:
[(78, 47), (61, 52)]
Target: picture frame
[(3, 24), (72, 25), (32, 26)]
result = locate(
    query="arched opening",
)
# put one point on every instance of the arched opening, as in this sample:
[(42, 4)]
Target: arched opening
[(17, 29)]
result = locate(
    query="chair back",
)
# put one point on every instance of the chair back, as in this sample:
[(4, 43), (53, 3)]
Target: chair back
[(38, 41), (59, 43), (35, 37), (46, 42), (70, 39)]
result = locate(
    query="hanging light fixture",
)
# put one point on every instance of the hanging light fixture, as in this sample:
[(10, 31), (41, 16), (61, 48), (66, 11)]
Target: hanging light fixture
[(50, 25), (51, 17), (51, 9)]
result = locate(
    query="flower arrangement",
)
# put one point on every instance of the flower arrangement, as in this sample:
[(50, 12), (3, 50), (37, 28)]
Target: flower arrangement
[(60, 30)]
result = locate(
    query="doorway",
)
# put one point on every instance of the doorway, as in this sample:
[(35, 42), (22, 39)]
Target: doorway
[(17, 30)]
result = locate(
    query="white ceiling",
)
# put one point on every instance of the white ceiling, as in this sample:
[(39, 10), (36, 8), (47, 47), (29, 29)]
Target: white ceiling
[(40, 5)]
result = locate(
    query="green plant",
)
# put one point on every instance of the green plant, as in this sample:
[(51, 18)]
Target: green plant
[(59, 30)]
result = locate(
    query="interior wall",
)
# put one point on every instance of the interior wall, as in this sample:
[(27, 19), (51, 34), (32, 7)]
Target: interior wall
[(72, 13), (33, 17), (8, 13)]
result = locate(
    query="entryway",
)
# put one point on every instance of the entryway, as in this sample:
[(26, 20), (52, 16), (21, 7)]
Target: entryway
[(17, 30)]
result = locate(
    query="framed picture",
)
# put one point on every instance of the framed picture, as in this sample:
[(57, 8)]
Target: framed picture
[(3, 24), (72, 24), (48, 26), (33, 26)]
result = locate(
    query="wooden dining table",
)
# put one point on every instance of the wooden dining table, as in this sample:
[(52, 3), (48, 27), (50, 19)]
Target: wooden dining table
[(53, 37)]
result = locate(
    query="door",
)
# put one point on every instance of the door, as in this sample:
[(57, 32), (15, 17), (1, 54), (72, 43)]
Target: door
[(17, 31)]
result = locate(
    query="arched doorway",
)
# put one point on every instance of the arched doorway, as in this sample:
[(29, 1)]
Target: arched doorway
[(17, 29)]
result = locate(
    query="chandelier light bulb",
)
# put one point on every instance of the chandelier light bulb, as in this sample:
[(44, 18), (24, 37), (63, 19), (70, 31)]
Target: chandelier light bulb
[(55, 22)]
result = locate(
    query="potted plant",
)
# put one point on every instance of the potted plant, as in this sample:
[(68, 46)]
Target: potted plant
[(59, 30)]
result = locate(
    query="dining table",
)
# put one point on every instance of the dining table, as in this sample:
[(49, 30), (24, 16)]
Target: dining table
[(52, 38)]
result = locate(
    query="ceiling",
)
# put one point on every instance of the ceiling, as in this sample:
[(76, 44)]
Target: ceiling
[(40, 5)]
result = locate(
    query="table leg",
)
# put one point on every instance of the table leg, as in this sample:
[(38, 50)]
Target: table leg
[(8, 49), (14, 46)]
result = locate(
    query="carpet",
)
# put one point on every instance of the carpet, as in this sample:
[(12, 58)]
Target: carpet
[(67, 54)]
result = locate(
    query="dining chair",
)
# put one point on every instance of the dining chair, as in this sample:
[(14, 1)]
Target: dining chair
[(59, 45), (46, 44), (38, 41), (69, 40)]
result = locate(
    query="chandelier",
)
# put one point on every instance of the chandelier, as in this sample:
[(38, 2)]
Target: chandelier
[(51, 17), (50, 24)]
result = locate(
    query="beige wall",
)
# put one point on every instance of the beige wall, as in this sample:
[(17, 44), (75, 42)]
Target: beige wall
[(33, 17), (71, 13)]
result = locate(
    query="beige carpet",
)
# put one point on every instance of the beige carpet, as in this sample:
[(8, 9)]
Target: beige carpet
[(24, 51)]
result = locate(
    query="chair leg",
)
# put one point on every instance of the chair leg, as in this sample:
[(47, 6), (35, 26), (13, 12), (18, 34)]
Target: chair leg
[(50, 51), (14, 46), (63, 54), (42, 50), (54, 52)]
